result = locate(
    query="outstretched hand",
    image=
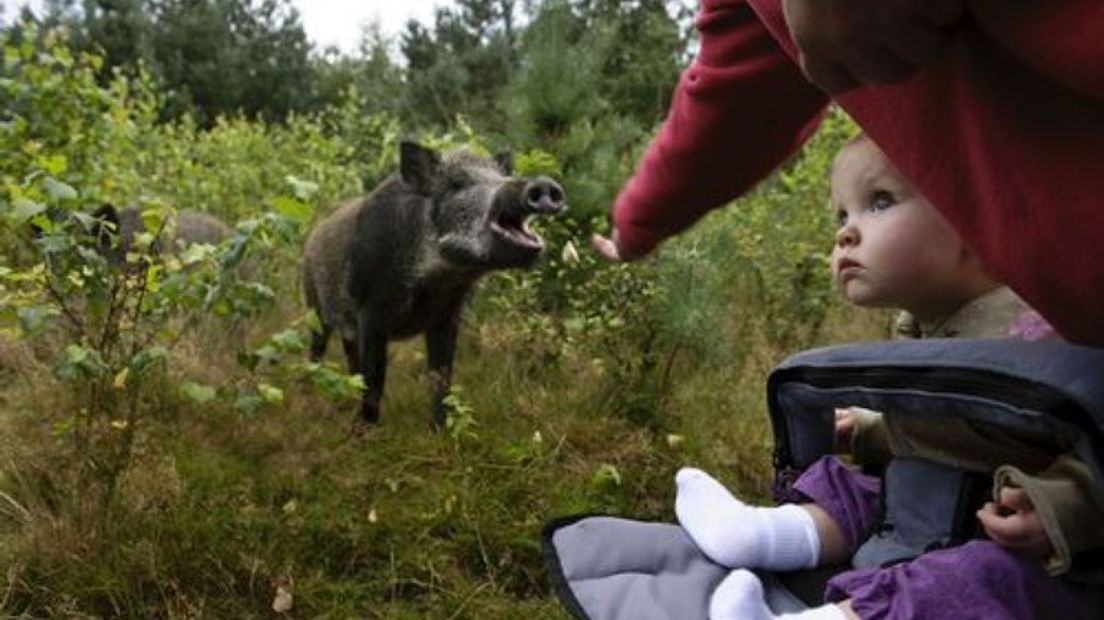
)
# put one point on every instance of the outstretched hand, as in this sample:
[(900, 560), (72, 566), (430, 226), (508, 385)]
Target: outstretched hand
[(610, 249), (1012, 522), (848, 43)]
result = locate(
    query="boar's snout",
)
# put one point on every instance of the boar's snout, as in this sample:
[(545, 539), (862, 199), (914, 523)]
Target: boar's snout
[(515, 204), (543, 195)]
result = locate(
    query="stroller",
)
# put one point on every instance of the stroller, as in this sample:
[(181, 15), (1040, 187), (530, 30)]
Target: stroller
[(613, 568)]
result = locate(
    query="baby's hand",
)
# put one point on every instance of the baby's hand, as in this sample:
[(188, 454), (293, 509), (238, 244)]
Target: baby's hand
[(845, 428), (1013, 523)]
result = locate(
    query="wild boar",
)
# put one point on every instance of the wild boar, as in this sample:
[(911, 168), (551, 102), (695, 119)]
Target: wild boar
[(190, 227), (402, 260)]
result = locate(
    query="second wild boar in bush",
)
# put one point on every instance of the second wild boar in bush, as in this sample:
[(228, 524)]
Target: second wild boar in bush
[(116, 229), (402, 260)]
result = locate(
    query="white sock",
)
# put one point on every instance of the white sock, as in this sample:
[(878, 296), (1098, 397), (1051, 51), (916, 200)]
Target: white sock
[(736, 535), (740, 597)]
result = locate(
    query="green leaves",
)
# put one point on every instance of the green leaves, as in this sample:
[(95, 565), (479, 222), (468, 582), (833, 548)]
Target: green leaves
[(607, 475), (58, 190), (198, 393), (152, 222), (53, 164), (276, 367), (289, 340), (460, 423), (270, 394), (249, 404), (313, 322), (333, 384), (197, 253), (537, 161), (79, 363), (33, 320), (23, 209), (294, 208), (297, 206), (303, 190), (147, 360)]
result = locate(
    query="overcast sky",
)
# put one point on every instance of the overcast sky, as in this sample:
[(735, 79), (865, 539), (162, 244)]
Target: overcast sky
[(338, 22), (330, 22)]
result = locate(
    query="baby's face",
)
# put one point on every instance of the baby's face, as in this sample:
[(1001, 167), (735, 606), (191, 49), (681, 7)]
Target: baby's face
[(893, 249)]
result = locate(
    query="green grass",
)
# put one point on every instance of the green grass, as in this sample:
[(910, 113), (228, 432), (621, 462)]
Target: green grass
[(219, 509)]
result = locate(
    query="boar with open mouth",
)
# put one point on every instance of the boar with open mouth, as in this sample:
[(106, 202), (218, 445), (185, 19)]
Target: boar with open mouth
[(402, 260)]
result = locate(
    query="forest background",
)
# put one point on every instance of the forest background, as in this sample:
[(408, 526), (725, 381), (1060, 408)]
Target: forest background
[(166, 449)]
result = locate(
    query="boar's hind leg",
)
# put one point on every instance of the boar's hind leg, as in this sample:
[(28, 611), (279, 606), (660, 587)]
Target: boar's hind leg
[(440, 350), (372, 357)]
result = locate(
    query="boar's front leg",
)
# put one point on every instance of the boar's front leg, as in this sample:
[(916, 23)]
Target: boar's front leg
[(372, 358), (440, 351)]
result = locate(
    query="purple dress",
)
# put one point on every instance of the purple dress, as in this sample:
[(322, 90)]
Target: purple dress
[(977, 580)]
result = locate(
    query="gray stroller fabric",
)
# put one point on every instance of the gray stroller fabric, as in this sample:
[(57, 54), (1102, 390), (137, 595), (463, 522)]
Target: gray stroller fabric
[(610, 568)]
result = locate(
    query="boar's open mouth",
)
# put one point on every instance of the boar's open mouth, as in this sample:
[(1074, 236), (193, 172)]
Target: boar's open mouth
[(515, 228)]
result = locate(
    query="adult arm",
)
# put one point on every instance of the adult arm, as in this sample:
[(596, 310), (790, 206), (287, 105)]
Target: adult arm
[(739, 110)]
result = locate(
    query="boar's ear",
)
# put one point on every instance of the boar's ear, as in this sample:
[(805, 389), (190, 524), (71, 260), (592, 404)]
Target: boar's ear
[(107, 213), (505, 162), (419, 166)]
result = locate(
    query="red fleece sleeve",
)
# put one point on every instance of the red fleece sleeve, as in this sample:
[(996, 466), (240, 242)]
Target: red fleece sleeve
[(738, 112)]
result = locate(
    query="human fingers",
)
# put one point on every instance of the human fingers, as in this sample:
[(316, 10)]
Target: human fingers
[(1021, 531), (606, 246), (1015, 498), (845, 429), (845, 419), (987, 514), (1006, 530)]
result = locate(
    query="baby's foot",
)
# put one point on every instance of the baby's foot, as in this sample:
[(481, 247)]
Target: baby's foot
[(740, 597), (736, 535)]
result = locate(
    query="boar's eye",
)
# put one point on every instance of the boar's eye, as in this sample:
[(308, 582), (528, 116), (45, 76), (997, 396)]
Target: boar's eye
[(458, 183)]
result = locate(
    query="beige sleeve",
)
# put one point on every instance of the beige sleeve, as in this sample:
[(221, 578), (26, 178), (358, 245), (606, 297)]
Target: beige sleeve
[(870, 441), (1068, 502)]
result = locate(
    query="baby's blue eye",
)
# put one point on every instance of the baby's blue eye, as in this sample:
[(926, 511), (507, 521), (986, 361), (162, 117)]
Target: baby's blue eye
[(882, 200), (841, 218)]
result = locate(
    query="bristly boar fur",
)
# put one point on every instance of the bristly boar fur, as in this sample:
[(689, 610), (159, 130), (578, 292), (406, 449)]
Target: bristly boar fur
[(402, 260)]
